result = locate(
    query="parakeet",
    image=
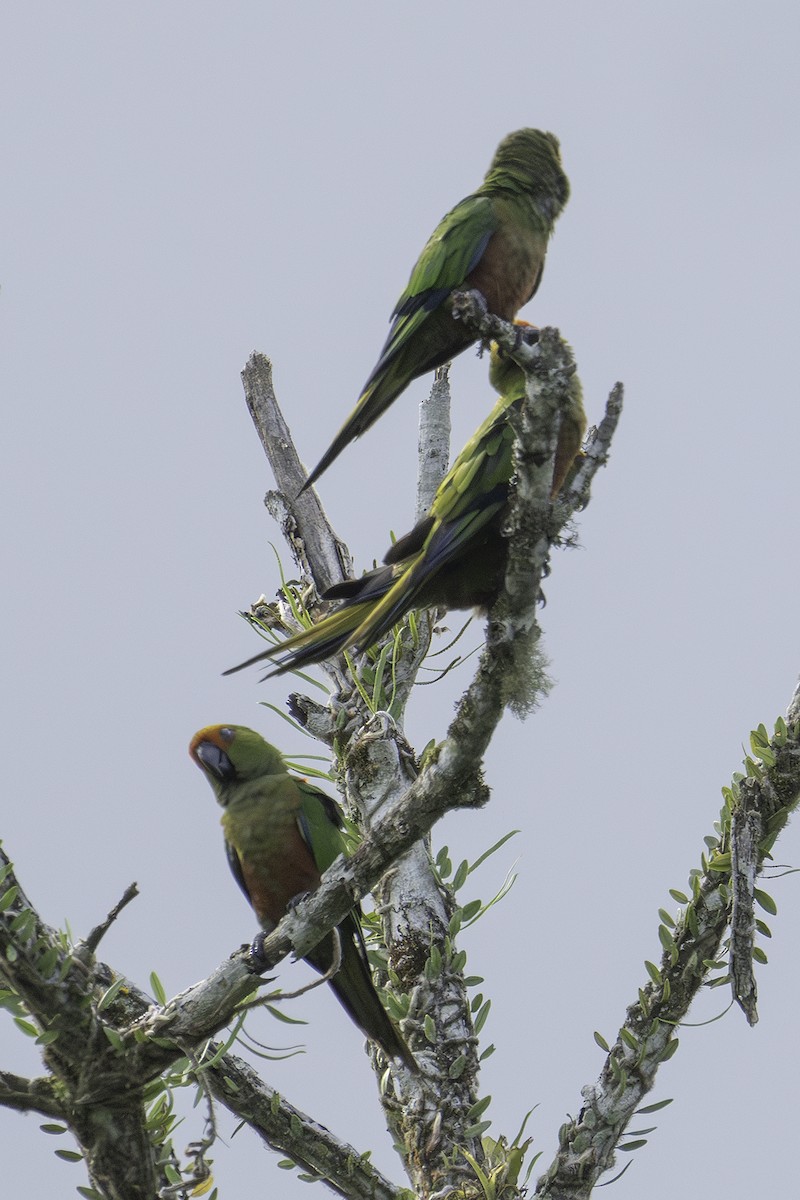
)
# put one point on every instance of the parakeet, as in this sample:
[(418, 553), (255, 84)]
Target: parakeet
[(281, 833), (455, 557), (495, 240)]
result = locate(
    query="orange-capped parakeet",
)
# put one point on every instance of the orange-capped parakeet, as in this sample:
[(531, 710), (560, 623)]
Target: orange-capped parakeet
[(495, 240), (281, 833), (455, 557)]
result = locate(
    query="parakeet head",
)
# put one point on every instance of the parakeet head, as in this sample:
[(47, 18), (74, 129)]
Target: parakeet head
[(507, 377), (529, 160), (229, 754)]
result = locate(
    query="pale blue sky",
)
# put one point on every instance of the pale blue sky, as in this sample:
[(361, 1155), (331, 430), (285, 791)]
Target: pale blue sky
[(184, 183)]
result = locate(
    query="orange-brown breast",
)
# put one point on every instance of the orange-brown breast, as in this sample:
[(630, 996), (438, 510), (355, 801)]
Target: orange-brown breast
[(510, 269), (276, 863)]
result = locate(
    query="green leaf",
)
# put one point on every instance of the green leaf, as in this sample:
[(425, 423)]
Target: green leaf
[(666, 938), (457, 1067), (765, 901), (487, 853), (479, 1108), (454, 924), (26, 1027), (47, 963), (282, 1016), (487, 1053), (460, 877), (8, 898), (111, 994), (681, 897), (670, 1049), (69, 1155), (480, 1020), (487, 1187), (429, 1028), (758, 955), (601, 1041), (24, 924), (651, 1108), (652, 971), (634, 1145), (630, 1040), (51, 1127), (158, 989), (113, 1037), (433, 967), (474, 1131), (458, 961)]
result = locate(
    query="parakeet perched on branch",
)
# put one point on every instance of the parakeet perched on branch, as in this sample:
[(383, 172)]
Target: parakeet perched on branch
[(495, 240), (281, 833), (455, 557)]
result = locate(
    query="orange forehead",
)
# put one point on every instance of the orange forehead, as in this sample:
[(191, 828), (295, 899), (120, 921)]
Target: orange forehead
[(218, 735)]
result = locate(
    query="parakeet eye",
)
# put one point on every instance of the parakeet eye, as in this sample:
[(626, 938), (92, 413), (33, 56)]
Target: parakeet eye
[(226, 733)]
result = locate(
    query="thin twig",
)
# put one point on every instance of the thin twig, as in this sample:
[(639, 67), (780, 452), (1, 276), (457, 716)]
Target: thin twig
[(88, 946)]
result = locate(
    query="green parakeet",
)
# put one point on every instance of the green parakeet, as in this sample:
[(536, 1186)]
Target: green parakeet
[(455, 557), (495, 240), (281, 833)]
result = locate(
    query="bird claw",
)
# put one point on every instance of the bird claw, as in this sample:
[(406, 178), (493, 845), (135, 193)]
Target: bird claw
[(257, 952), (469, 306), (295, 901), (525, 335)]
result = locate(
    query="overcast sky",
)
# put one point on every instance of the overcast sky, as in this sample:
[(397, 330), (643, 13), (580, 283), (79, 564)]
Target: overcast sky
[(186, 182)]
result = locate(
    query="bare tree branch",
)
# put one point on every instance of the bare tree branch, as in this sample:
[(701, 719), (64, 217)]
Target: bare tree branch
[(433, 443), (324, 557)]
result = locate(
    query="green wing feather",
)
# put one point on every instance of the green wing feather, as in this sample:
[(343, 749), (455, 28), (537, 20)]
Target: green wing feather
[(463, 515), (320, 824), (422, 336), (453, 250), (464, 509)]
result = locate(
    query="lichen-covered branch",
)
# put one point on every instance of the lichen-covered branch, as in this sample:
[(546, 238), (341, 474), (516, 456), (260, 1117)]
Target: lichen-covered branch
[(767, 794), (60, 993), (111, 1043), (287, 1129), (377, 767), (30, 1095)]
